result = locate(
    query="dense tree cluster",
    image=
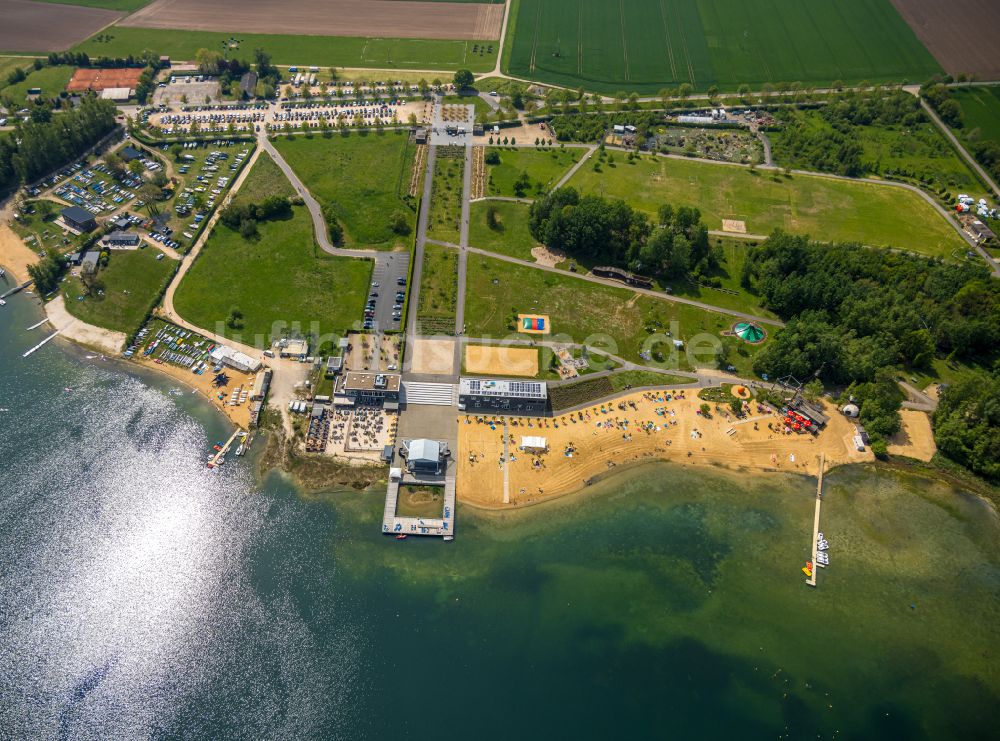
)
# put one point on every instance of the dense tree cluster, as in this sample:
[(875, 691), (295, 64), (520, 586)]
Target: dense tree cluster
[(591, 127), (597, 230), (244, 217), (967, 424), (46, 273), (834, 148), (46, 142), (855, 315), (853, 310)]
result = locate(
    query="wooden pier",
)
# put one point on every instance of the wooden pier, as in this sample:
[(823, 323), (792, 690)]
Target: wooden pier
[(811, 581), (443, 526), (40, 344), (15, 289), (221, 454)]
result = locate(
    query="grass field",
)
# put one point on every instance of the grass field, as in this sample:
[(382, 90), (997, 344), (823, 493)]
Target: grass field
[(544, 167), (438, 290), (644, 45), (364, 176), (918, 154), (826, 209), (265, 179), (614, 319), (446, 197), (125, 6), (279, 281), (132, 282), (328, 51), (52, 81), (980, 110), (510, 237)]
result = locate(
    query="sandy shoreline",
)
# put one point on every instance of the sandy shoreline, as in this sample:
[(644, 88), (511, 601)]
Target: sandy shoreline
[(71, 328), (647, 429), (14, 256)]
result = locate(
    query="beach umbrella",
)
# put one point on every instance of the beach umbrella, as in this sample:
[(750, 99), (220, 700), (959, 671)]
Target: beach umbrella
[(808, 423), (796, 426)]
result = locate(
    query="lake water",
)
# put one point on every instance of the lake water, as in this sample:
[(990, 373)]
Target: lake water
[(143, 596)]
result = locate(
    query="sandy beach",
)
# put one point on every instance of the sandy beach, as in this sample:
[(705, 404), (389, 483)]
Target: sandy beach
[(14, 256), (239, 415), (71, 328), (637, 428)]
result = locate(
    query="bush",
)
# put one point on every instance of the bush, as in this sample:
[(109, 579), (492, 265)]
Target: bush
[(493, 156)]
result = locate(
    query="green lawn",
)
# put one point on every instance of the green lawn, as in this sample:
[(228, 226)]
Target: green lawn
[(438, 290), (328, 51), (636, 378), (52, 81), (509, 237), (366, 178), (264, 180), (644, 45), (278, 282), (481, 106), (446, 196), (132, 282), (980, 110), (616, 320), (826, 209), (543, 166), (917, 154)]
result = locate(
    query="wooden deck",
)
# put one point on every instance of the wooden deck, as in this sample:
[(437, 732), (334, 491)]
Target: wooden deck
[(442, 527)]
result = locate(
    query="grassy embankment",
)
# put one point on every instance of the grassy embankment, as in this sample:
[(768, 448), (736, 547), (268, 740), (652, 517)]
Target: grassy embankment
[(364, 177), (824, 208), (277, 281)]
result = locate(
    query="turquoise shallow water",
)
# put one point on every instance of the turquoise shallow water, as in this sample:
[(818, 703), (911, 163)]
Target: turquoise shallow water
[(143, 596)]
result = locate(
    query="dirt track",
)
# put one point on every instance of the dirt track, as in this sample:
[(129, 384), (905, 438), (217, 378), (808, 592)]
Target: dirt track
[(963, 38), (29, 26), (371, 18)]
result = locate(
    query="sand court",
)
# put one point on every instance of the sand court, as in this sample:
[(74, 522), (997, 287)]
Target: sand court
[(502, 361), (436, 357), (915, 438)]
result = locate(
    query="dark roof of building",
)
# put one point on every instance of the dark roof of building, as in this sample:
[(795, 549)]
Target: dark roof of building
[(77, 214), (248, 82), (130, 153)]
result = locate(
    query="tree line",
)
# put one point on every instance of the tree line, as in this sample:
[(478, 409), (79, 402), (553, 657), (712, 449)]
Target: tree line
[(986, 151), (45, 143), (244, 217), (601, 231), (856, 316)]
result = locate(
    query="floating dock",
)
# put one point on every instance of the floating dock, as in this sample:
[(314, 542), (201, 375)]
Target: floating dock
[(41, 344), (221, 454), (15, 289), (811, 581), (443, 526)]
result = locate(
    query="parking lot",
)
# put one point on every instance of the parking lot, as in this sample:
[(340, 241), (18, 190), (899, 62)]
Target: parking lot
[(96, 189), (390, 267), (186, 89)]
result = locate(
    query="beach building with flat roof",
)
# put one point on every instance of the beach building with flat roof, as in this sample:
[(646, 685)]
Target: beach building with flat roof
[(484, 396), (79, 218), (372, 388), (235, 359)]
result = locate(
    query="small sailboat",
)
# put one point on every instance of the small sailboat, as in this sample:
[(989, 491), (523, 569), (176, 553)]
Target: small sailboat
[(401, 536)]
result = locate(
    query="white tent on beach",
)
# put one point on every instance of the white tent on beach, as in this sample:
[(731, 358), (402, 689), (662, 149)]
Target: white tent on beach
[(531, 443)]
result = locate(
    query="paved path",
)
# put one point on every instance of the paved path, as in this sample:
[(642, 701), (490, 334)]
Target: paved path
[(946, 130), (917, 399), (418, 259), (615, 284), (766, 141), (572, 171), (463, 259)]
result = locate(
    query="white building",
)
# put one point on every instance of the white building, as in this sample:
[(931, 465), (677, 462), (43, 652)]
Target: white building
[(235, 359)]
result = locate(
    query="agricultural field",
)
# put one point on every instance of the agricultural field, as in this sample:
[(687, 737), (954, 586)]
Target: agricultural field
[(38, 27), (964, 42), (326, 51), (52, 81), (617, 320), (364, 177), (446, 196), (917, 154), (123, 6), (508, 235), (825, 208), (438, 290), (365, 18), (125, 290), (275, 281), (980, 113), (645, 45), (543, 168)]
